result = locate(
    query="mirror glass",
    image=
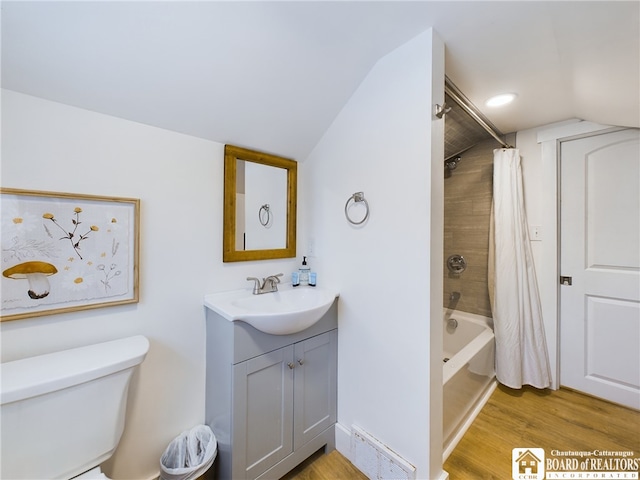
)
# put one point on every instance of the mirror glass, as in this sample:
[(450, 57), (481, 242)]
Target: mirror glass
[(259, 205)]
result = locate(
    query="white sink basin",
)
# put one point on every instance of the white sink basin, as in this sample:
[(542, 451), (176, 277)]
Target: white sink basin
[(289, 310)]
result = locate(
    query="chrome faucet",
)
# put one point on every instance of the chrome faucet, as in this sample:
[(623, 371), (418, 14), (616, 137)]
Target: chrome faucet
[(269, 284)]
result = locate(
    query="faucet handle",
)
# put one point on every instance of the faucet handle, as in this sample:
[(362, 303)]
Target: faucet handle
[(256, 286), (272, 280), (271, 283)]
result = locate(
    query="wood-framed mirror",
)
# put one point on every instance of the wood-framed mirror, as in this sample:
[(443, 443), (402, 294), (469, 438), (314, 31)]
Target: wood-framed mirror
[(260, 197)]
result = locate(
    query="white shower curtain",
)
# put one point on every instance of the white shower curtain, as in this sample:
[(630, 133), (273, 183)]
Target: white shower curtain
[(521, 349)]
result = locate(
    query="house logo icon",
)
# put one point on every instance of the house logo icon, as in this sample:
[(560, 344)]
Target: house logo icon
[(527, 463)]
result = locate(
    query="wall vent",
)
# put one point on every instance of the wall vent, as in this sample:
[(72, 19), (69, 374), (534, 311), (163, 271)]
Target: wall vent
[(376, 460)]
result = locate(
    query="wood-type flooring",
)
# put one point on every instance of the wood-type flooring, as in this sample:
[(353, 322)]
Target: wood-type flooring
[(554, 420), (562, 420), (321, 466)]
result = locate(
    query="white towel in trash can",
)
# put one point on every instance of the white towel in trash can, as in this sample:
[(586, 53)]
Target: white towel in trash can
[(189, 455)]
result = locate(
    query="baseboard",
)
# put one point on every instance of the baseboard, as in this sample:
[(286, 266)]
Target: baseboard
[(343, 441), (343, 445)]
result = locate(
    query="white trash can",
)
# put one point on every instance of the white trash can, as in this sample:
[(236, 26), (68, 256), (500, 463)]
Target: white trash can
[(189, 455)]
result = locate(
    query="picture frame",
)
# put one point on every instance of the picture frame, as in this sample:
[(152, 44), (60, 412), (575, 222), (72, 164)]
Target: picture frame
[(64, 252)]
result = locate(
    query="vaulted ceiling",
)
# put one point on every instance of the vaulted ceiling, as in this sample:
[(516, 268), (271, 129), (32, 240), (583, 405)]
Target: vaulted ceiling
[(274, 75)]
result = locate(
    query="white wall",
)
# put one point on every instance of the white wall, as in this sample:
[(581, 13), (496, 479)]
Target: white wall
[(535, 188), (179, 179), (381, 144)]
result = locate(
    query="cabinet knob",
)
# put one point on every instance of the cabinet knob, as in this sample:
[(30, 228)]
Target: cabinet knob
[(291, 365), (301, 361)]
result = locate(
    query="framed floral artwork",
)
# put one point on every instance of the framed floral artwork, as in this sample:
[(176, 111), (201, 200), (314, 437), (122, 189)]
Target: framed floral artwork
[(63, 252)]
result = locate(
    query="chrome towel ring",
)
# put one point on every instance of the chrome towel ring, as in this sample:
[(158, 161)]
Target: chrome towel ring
[(264, 215), (357, 198)]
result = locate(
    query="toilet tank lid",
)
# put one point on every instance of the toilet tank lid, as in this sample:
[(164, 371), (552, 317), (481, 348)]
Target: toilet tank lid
[(42, 374)]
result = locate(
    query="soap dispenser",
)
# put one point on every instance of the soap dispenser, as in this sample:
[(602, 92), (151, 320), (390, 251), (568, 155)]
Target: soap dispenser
[(303, 272)]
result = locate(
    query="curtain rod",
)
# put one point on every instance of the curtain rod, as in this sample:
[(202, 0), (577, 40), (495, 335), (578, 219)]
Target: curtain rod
[(453, 91)]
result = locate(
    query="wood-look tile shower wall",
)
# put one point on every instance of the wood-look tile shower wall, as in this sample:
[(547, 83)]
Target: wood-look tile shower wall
[(467, 207)]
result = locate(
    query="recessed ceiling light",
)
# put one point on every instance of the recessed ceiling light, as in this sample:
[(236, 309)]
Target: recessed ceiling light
[(500, 100)]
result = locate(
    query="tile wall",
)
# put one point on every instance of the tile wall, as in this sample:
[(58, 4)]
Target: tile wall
[(467, 208)]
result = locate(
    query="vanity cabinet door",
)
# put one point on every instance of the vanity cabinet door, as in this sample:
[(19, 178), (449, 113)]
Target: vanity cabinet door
[(262, 412), (315, 386)]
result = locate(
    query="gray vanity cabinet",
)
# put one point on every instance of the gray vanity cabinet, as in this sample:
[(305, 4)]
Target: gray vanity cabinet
[(270, 399), (263, 411), (314, 394)]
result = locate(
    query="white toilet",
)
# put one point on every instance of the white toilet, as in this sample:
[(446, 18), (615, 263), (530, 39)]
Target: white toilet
[(62, 414)]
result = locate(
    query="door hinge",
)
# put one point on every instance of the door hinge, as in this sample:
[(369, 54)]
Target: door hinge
[(566, 280)]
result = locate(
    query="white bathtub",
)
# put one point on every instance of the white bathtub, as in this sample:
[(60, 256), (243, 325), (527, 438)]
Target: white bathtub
[(468, 373)]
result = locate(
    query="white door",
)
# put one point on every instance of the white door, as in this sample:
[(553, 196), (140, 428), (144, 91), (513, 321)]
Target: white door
[(600, 251)]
